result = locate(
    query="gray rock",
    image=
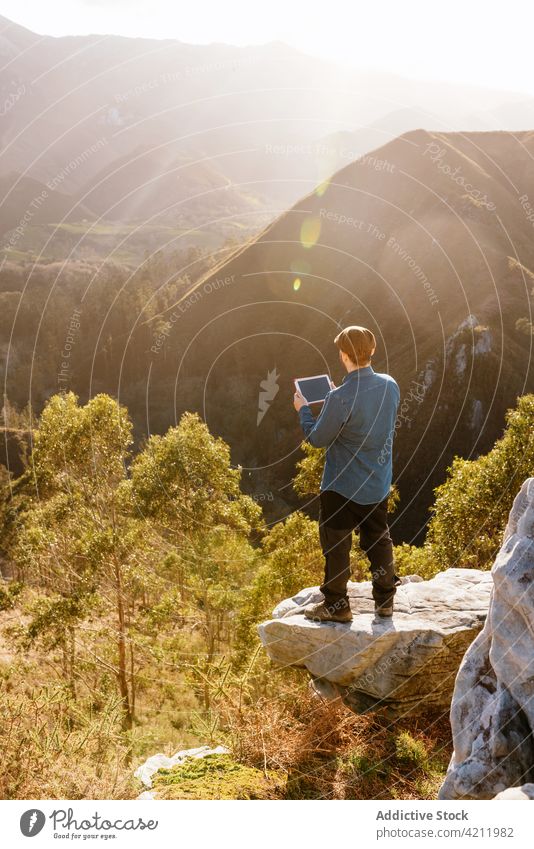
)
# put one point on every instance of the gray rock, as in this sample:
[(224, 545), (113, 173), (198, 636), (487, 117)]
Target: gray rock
[(396, 666), (492, 711)]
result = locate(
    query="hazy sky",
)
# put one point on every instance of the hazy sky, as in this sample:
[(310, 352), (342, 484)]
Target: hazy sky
[(480, 41)]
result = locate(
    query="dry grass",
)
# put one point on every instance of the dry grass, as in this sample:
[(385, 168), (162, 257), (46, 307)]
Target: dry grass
[(52, 748), (329, 752)]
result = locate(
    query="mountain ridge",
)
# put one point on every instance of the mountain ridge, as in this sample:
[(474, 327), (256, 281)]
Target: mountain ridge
[(431, 252)]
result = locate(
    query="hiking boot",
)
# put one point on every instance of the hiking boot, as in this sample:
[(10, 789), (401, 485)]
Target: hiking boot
[(383, 610), (328, 613)]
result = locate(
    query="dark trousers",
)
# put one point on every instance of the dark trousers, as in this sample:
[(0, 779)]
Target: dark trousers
[(338, 518)]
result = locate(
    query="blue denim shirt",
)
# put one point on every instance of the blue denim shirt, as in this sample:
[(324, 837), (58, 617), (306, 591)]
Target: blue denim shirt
[(356, 425)]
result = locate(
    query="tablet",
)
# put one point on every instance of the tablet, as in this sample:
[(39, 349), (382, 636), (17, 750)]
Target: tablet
[(315, 389)]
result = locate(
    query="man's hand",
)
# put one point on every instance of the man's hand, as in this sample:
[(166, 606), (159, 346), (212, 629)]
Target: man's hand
[(299, 400)]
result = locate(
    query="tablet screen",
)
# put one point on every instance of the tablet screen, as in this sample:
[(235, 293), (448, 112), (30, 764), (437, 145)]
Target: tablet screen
[(314, 389)]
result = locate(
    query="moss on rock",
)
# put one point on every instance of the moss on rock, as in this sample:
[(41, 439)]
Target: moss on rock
[(217, 777)]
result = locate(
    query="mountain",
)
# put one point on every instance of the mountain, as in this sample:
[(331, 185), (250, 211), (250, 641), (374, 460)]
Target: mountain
[(433, 250), (146, 184), (80, 103), (155, 145), (142, 202), (29, 201)]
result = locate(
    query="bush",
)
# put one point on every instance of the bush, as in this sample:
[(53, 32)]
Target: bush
[(415, 560), (409, 751)]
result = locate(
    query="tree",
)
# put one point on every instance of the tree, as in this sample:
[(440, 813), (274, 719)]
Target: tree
[(307, 479), (184, 485), (291, 560), (184, 481), (78, 540), (472, 506), (121, 563)]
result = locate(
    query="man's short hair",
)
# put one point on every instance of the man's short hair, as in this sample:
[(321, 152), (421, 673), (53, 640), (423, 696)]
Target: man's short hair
[(356, 342)]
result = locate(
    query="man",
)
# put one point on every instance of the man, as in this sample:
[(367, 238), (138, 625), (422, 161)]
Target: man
[(356, 425)]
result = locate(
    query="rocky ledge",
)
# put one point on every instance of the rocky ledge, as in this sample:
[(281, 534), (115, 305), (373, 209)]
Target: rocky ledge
[(399, 666), (492, 711)]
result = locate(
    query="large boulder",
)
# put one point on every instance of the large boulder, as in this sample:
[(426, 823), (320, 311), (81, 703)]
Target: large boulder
[(396, 666), (492, 711)]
